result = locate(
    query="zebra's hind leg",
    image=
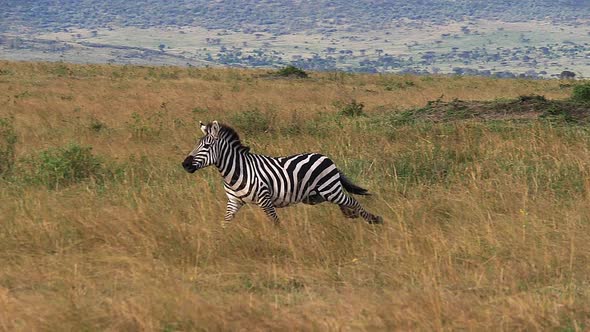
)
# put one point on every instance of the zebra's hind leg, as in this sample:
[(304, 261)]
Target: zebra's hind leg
[(353, 205), (348, 212), (350, 207)]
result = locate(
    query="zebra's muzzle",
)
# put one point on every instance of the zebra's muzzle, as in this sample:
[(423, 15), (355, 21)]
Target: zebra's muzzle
[(190, 165)]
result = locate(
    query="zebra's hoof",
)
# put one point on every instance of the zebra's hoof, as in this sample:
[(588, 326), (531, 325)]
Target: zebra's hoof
[(224, 224), (376, 220)]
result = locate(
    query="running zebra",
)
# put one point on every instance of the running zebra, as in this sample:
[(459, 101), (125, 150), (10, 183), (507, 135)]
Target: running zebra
[(271, 182)]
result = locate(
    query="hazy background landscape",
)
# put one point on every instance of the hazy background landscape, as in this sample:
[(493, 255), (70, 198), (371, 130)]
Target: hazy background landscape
[(501, 38)]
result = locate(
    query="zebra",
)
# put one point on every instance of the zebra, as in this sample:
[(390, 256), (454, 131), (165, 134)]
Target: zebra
[(272, 182)]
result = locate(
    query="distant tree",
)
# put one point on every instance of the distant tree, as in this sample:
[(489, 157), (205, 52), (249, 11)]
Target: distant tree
[(291, 71), (566, 74)]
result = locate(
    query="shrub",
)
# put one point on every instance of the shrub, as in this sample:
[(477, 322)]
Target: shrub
[(291, 71), (353, 109), (581, 92), (58, 167), (7, 146)]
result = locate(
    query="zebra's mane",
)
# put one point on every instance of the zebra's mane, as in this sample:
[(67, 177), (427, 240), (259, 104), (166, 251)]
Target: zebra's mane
[(231, 136)]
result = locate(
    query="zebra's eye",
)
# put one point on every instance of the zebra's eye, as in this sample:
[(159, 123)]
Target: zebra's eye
[(206, 145)]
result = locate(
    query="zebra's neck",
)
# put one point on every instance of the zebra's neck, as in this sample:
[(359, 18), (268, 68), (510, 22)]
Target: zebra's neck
[(233, 163)]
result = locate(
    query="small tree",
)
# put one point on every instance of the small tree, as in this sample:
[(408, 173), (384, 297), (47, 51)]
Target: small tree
[(566, 74), (291, 71)]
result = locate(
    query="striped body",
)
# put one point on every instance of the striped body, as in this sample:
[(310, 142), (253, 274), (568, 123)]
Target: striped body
[(288, 180), (272, 182)]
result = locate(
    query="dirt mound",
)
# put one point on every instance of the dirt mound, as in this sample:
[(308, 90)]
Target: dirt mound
[(523, 108)]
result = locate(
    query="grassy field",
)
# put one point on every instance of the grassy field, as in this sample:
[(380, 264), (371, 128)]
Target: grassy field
[(486, 227)]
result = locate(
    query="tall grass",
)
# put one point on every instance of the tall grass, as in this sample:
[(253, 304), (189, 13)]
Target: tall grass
[(486, 223)]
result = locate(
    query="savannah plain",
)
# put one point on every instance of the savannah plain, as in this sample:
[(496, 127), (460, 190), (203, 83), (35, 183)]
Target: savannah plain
[(487, 222)]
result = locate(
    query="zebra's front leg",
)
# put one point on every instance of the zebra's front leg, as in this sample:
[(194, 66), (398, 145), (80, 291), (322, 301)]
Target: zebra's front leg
[(268, 207), (233, 205)]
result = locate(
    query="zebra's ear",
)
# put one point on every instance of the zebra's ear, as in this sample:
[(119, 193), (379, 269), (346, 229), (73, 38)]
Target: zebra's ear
[(214, 130), (203, 128)]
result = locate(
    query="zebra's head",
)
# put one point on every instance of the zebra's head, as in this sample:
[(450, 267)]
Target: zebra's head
[(206, 151)]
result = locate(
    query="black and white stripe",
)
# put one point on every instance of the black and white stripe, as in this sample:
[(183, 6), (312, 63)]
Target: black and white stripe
[(272, 182)]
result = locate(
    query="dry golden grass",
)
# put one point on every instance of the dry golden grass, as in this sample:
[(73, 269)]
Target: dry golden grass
[(487, 225)]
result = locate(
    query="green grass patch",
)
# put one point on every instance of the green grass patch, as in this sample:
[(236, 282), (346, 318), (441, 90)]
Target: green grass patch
[(8, 141)]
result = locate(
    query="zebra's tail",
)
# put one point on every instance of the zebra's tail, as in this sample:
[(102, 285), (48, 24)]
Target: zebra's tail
[(351, 187)]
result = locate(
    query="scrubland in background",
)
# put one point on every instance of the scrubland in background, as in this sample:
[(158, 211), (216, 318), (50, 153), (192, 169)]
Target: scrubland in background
[(487, 223)]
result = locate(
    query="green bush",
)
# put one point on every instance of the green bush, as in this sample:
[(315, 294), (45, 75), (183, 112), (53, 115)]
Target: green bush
[(7, 146), (292, 71), (581, 92), (63, 166)]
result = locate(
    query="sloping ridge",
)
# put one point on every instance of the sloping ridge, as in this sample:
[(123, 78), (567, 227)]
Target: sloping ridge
[(522, 108)]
